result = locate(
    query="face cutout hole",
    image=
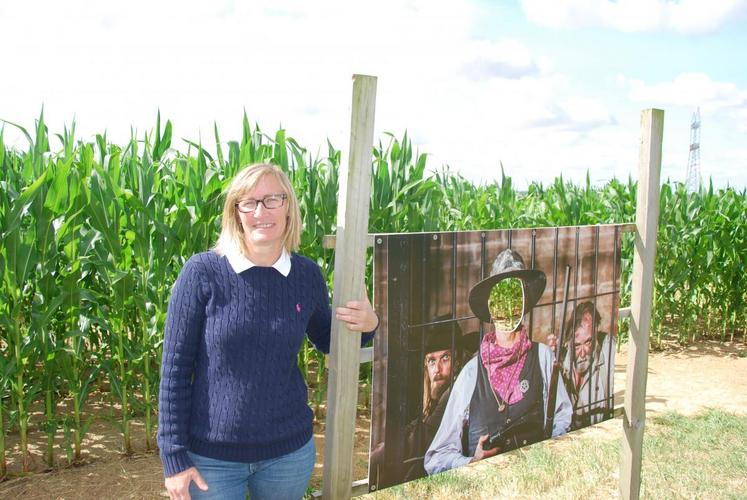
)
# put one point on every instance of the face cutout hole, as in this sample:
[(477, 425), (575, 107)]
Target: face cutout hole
[(506, 304)]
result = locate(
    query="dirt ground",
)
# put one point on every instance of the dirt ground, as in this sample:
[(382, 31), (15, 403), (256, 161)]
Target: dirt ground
[(684, 379)]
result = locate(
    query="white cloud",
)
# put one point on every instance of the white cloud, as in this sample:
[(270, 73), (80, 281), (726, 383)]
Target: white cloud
[(469, 103), (723, 107), (574, 113), (502, 59), (113, 66), (689, 90), (742, 122), (683, 16)]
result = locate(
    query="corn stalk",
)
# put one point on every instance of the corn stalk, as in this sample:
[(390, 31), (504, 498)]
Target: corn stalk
[(94, 234)]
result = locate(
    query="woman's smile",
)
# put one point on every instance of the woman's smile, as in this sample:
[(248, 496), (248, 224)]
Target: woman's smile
[(264, 226)]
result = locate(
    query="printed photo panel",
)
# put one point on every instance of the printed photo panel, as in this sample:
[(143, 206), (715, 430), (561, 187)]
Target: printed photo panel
[(449, 387)]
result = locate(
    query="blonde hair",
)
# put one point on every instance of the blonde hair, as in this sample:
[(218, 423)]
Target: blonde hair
[(231, 233), (427, 400)]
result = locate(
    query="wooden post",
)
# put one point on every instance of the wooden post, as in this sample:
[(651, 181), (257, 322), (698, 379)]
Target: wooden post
[(647, 221), (350, 263)]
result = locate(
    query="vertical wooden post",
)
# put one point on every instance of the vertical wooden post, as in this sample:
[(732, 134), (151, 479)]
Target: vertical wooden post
[(647, 221), (350, 262)]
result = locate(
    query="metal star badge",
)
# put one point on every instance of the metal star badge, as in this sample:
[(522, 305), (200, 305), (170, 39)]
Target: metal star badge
[(524, 385)]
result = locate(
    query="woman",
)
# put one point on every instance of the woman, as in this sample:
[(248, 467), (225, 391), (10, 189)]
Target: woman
[(499, 399), (233, 412)]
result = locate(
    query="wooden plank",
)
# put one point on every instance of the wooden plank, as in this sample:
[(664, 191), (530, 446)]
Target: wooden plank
[(399, 296), (359, 487), (350, 262), (647, 217), (367, 354), (624, 312), (328, 241)]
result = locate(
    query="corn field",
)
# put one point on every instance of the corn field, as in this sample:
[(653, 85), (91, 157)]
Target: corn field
[(93, 235)]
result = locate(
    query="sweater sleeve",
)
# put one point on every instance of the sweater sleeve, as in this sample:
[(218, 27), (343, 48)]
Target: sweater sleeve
[(320, 324), (185, 320)]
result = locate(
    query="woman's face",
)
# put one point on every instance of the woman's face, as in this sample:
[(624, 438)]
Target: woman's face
[(264, 227)]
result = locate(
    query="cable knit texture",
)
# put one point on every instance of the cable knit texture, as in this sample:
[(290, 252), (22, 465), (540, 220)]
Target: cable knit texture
[(230, 384)]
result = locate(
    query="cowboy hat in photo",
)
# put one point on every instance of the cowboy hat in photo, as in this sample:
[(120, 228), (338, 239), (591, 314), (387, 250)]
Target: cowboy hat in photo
[(437, 336), (508, 264)]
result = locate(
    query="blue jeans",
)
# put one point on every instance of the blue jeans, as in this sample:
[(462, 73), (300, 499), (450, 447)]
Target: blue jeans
[(285, 477)]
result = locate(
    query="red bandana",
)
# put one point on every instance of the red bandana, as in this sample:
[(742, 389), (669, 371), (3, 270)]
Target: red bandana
[(504, 365)]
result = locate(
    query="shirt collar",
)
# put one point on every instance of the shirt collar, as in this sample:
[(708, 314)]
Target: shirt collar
[(240, 263)]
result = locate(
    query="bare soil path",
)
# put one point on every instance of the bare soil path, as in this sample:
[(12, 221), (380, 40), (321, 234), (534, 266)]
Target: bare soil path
[(686, 380)]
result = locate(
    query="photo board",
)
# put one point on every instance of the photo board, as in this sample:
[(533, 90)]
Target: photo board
[(440, 382)]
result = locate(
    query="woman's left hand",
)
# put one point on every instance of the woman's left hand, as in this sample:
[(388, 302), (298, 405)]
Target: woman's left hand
[(358, 316)]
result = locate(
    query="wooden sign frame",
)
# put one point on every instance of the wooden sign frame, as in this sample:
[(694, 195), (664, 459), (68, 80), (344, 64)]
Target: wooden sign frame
[(351, 242)]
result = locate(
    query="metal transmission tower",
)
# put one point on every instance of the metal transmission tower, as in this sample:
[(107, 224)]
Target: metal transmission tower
[(692, 182)]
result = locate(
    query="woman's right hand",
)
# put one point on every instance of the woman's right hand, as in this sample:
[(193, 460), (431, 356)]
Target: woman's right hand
[(178, 484)]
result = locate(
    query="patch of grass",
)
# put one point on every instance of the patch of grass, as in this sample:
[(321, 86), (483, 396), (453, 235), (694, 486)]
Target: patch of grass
[(703, 456)]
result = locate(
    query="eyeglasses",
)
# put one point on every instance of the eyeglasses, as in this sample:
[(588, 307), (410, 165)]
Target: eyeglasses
[(270, 201)]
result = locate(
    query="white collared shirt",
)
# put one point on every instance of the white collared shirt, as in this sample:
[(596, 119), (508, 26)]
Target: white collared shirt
[(240, 263)]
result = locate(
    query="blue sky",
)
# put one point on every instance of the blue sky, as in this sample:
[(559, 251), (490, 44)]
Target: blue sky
[(542, 87)]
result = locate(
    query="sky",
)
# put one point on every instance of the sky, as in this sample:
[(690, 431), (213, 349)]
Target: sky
[(539, 87)]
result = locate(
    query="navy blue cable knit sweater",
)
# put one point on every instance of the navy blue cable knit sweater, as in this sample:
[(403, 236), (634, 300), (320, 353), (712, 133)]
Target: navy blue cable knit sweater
[(230, 384)]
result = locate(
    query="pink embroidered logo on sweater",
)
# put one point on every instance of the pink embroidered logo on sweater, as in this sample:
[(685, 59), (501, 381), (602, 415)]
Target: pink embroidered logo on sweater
[(298, 308)]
